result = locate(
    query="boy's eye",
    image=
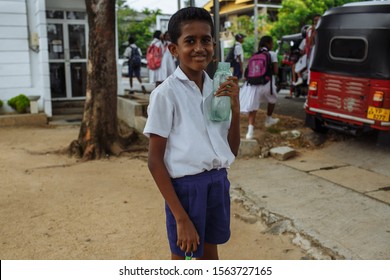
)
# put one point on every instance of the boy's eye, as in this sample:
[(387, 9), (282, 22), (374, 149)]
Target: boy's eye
[(189, 41), (206, 41)]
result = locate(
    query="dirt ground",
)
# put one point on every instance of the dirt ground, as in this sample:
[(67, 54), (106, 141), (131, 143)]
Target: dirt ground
[(55, 207)]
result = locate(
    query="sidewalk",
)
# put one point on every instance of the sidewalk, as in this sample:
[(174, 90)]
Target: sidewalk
[(136, 85), (335, 208)]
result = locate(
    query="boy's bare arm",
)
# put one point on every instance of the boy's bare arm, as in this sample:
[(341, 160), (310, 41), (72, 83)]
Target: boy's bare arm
[(275, 68), (188, 238)]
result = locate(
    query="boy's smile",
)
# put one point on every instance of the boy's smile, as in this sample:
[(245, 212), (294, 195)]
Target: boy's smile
[(194, 48)]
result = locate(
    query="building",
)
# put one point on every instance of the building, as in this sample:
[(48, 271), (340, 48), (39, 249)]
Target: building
[(229, 10), (43, 50)]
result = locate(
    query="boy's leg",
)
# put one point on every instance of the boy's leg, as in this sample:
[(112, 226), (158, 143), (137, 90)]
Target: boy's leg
[(252, 117), (176, 257), (251, 124), (142, 86), (270, 109), (210, 252), (131, 82), (271, 99)]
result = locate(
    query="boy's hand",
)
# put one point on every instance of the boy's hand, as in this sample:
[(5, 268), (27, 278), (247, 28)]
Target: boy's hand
[(230, 88), (187, 236)]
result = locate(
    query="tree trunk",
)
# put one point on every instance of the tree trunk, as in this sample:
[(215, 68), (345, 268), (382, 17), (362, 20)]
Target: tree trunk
[(99, 130)]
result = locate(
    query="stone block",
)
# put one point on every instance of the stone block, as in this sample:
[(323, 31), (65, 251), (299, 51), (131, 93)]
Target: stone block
[(282, 153), (249, 148)]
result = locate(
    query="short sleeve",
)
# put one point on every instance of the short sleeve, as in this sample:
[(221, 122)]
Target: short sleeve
[(274, 57), (160, 115)]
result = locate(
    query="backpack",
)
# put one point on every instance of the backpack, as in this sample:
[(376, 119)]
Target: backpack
[(230, 56), (135, 59), (259, 69), (154, 57)]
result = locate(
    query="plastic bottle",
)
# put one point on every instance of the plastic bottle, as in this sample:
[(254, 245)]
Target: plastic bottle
[(220, 105)]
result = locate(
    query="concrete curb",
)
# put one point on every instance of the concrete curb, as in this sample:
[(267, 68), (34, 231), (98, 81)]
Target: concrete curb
[(23, 119)]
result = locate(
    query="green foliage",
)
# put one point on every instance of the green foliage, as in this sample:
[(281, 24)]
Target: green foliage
[(294, 14), (246, 25), (129, 24), (19, 103), (1, 103)]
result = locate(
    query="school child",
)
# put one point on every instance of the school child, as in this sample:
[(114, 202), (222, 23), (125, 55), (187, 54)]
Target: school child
[(133, 53), (188, 153), (252, 95), (156, 73), (168, 62)]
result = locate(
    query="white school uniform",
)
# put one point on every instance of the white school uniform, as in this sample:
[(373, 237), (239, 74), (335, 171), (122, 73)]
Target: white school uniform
[(179, 112), (157, 75), (251, 96), (168, 62)]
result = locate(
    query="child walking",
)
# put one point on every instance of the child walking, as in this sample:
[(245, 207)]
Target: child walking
[(134, 70), (188, 153), (252, 95)]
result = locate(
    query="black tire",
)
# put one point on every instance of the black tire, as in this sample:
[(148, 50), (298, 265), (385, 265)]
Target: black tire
[(315, 124), (383, 139)]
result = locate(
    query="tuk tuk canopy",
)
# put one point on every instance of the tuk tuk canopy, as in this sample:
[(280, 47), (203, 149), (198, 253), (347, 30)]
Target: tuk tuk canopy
[(354, 40)]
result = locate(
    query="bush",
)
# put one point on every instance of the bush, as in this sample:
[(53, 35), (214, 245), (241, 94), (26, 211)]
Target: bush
[(1, 103), (19, 103)]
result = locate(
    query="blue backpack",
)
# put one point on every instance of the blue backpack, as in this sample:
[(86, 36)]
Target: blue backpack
[(135, 59), (230, 56)]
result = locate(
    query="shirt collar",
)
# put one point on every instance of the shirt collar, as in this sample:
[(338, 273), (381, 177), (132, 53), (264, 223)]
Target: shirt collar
[(183, 77)]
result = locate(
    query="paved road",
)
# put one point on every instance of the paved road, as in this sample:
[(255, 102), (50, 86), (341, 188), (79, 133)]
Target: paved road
[(290, 107)]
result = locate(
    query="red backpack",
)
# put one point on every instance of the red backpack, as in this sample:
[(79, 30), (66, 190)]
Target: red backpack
[(154, 57)]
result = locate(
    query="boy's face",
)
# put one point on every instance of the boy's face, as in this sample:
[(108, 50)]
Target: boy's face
[(194, 48)]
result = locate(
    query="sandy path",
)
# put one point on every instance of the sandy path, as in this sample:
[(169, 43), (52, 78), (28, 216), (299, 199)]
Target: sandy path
[(53, 207)]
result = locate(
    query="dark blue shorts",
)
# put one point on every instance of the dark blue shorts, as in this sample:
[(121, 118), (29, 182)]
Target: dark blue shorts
[(134, 71), (237, 70), (206, 199)]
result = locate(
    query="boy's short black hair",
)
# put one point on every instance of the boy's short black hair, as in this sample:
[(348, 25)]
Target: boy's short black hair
[(188, 14), (131, 40), (157, 34), (265, 41)]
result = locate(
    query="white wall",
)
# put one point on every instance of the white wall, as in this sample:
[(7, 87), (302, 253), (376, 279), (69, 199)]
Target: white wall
[(14, 55), (23, 65)]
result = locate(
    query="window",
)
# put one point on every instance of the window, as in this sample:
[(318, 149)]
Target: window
[(54, 14), (348, 49)]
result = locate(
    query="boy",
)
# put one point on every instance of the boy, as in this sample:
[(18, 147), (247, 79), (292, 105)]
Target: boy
[(238, 56), (188, 153), (134, 70)]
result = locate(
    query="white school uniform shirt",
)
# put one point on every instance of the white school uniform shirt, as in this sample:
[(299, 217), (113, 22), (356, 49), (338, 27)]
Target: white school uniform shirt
[(128, 51), (157, 75), (238, 51), (252, 96), (179, 112)]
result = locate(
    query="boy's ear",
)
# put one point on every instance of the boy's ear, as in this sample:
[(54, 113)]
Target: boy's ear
[(173, 49)]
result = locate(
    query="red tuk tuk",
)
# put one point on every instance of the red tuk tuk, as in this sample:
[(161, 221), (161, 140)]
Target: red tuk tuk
[(349, 87)]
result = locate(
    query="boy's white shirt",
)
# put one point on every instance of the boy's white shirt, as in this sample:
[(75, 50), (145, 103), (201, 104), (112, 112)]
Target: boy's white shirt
[(128, 51), (179, 112), (238, 51)]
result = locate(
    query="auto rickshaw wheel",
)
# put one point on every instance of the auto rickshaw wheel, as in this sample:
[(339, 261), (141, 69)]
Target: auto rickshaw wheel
[(315, 124)]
